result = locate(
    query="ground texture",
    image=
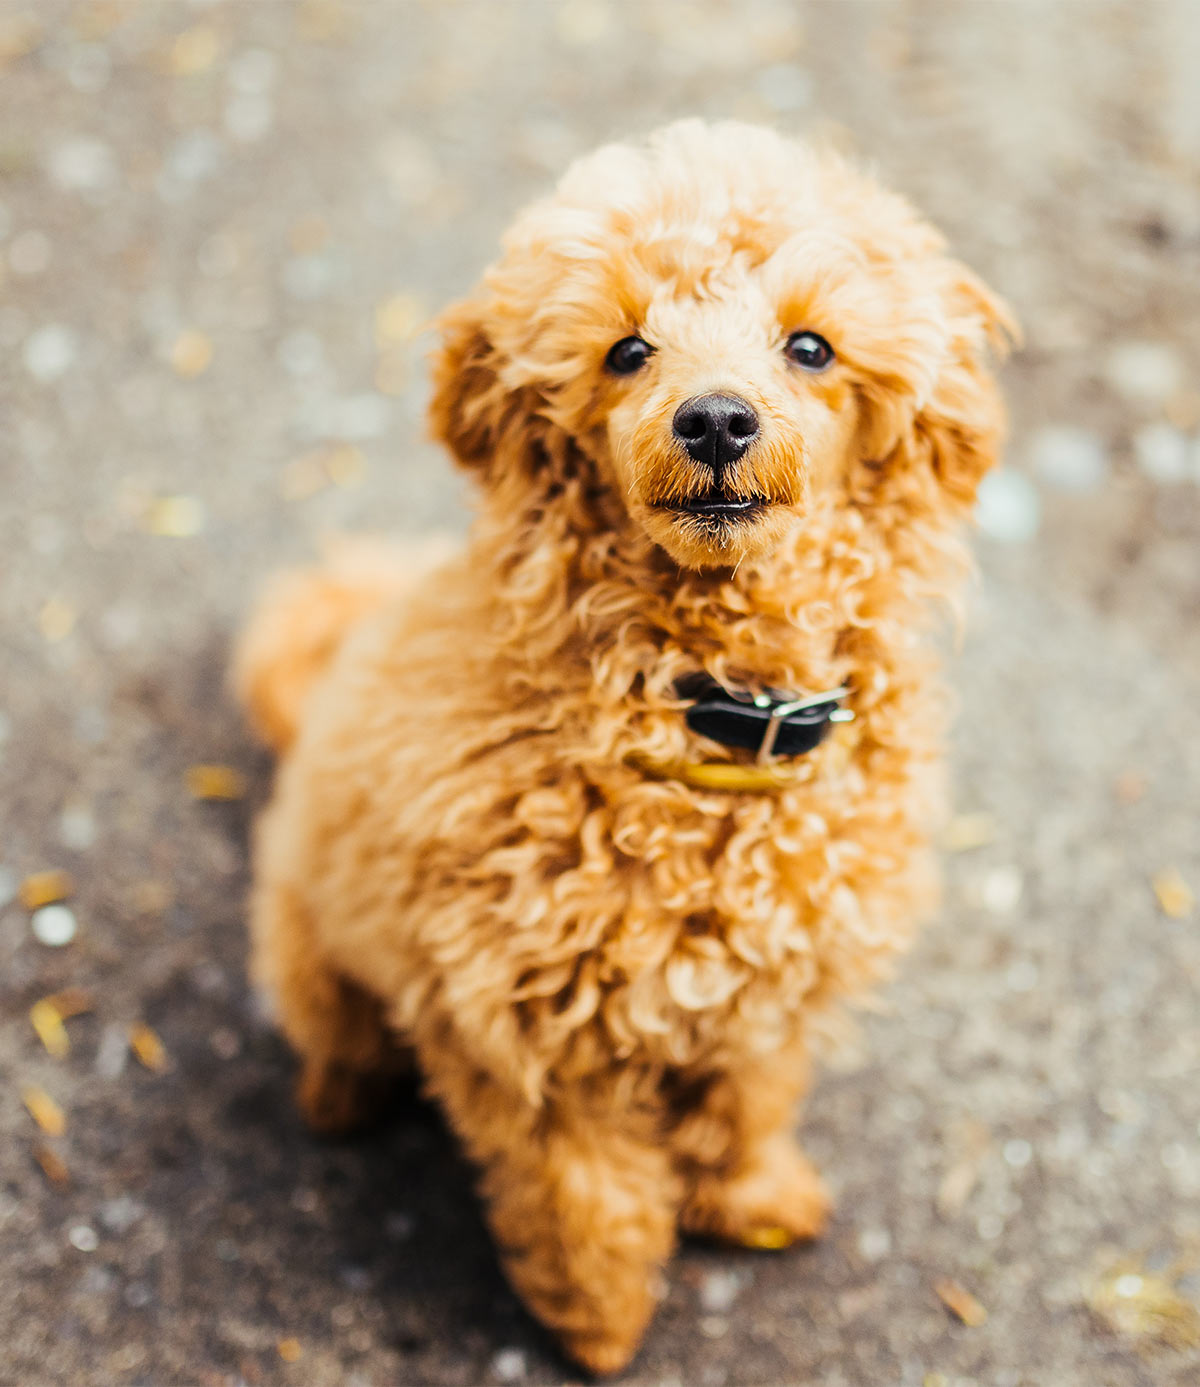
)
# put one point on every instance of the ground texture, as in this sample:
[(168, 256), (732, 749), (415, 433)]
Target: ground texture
[(220, 226)]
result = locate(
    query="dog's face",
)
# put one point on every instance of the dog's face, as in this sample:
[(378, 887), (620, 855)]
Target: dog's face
[(723, 328)]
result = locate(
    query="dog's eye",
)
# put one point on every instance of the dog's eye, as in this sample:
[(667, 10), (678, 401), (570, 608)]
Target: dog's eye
[(628, 355), (808, 350)]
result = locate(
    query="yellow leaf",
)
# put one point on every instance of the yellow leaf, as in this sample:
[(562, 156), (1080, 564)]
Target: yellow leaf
[(48, 1024), (215, 782), (44, 888), (44, 1111), (53, 1166), (1175, 896), (148, 1048), (769, 1238), (194, 50), (174, 517), (961, 1303), (191, 354)]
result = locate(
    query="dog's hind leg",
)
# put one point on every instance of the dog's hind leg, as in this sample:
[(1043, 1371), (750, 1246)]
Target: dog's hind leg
[(748, 1182), (582, 1203), (347, 1058)]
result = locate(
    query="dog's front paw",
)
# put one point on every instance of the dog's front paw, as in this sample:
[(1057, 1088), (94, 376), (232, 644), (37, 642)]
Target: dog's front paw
[(774, 1199)]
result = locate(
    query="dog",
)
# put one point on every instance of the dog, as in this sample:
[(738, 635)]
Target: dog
[(602, 819)]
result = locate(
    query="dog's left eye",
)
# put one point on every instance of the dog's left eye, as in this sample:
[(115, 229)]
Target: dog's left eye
[(809, 350), (628, 355)]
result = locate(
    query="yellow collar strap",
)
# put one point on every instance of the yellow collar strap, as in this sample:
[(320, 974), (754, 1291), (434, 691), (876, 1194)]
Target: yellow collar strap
[(718, 775)]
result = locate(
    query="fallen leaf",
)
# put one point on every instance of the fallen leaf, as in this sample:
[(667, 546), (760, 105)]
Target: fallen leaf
[(48, 1024), (969, 1142), (174, 517), (215, 782), (191, 354), (20, 34), (967, 831), (71, 1001), (1175, 896), (961, 1303), (53, 1166), (56, 619), (45, 888), (148, 1048), (1145, 1306), (398, 320), (44, 1111), (194, 50)]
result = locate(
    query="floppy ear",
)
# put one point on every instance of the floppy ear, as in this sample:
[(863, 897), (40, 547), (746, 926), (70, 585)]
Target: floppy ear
[(493, 427), (960, 428)]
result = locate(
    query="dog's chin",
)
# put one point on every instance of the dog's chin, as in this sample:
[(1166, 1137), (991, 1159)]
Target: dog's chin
[(719, 534)]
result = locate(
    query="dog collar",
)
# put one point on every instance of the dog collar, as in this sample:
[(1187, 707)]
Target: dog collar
[(770, 724)]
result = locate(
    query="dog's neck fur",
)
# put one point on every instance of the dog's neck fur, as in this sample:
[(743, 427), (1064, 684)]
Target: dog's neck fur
[(850, 593)]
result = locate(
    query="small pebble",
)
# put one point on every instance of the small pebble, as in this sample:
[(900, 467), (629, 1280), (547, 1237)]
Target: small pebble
[(50, 352), (120, 1214), (249, 116), (77, 827), (989, 1227), (1071, 459), (88, 67), (1162, 453), (1145, 371), (301, 353), (83, 165), (1008, 508), (1018, 1153), (226, 1044), (112, 1053), (1022, 976), (84, 1238), (874, 1244), (719, 1290), (54, 925), (508, 1365), (1000, 889), (253, 71)]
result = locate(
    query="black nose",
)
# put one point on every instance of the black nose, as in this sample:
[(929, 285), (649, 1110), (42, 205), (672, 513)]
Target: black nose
[(715, 429)]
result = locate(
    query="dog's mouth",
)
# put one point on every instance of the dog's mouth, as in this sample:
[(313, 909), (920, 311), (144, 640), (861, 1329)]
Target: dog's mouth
[(716, 506)]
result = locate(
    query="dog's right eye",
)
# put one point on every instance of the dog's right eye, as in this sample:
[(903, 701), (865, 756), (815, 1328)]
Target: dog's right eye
[(628, 355)]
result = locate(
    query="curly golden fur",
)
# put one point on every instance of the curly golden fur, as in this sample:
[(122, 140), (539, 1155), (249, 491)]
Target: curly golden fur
[(611, 981)]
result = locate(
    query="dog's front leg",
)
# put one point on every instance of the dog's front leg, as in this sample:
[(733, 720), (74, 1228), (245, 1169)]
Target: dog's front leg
[(582, 1201), (748, 1181)]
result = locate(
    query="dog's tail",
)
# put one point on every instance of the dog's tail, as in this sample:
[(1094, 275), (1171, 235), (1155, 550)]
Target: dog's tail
[(300, 622)]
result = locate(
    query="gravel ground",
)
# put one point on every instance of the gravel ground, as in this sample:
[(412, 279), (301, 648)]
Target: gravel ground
[(221, 225)]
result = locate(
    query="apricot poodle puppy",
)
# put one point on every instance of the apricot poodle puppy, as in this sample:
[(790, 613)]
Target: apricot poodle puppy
[(600, 819)]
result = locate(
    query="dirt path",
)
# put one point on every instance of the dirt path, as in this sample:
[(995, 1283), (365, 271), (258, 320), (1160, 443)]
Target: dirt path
[(220, 226)]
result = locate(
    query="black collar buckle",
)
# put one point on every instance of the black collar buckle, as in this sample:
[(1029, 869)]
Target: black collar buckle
[(769, 724)]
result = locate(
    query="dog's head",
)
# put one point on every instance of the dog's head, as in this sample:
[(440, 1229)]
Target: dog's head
[(720, 326)]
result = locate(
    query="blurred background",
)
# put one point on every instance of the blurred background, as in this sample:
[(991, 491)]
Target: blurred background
[(222, 228)]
